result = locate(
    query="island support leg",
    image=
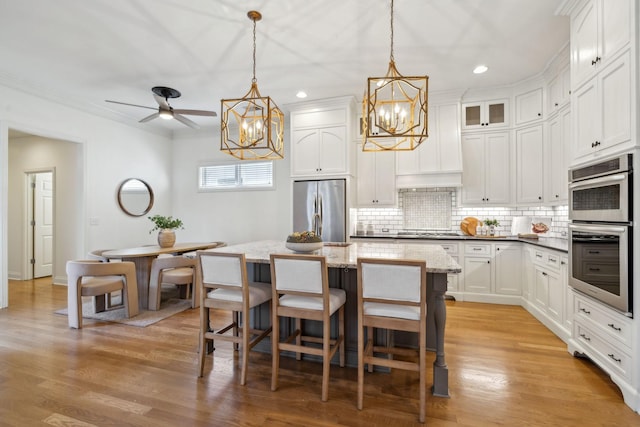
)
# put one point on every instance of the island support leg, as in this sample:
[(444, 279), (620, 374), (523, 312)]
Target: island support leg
[(436, 320)]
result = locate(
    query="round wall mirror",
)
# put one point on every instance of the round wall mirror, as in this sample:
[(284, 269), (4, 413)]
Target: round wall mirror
[(135, 197)]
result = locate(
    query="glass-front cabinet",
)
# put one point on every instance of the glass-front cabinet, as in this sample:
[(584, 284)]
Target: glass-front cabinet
[(486, 114)]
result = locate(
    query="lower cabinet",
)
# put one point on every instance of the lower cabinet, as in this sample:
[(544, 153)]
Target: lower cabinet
[(548, 296), (604, 335), (492, 272)]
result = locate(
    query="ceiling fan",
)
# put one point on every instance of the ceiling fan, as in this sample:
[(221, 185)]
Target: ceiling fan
[(166, 111)]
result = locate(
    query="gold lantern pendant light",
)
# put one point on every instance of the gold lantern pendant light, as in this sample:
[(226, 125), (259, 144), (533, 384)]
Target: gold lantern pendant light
[(252, 127), (394, 109)]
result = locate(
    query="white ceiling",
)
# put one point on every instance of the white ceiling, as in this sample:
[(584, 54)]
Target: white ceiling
[(84, 52)]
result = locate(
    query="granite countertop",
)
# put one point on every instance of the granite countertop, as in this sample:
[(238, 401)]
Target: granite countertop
[(545, 242), (346, 256)]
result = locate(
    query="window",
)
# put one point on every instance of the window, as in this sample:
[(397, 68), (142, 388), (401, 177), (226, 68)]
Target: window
[(236, 176)]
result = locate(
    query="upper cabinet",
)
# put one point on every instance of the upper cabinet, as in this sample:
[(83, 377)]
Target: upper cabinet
[(376, 183), (438, 160), (529, 106), (603, 110), (487, 174), (485, 115), (529, 165), (599, 30), (322, 138), (557, 157), (558, 91)]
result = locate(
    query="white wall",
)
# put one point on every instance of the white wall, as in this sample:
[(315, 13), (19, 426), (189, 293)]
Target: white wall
[(232, 217), (110, 151)]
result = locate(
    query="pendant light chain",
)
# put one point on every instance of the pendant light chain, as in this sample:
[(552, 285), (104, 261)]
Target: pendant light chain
[(254, 52), (391, 59)]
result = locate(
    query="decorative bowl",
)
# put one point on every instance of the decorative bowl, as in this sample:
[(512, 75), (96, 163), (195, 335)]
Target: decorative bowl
[(304, 247)]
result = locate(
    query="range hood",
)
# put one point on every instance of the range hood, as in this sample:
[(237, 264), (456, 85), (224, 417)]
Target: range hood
[(429, 180)]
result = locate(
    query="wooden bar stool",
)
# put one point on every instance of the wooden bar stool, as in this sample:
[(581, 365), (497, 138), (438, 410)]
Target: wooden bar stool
[(392, 296), (224, 285), (300, 290)]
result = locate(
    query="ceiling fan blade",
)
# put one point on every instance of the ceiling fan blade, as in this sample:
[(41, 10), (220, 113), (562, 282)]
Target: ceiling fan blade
[(162, 102), (196, 112), (185, 121), (149, 118), (131, 105)]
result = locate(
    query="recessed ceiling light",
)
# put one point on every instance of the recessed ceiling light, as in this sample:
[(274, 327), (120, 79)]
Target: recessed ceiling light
[(301, 94), (480, 69)]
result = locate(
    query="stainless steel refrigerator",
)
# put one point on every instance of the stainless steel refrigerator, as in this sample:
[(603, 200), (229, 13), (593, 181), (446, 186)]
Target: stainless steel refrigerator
[(320, 206)]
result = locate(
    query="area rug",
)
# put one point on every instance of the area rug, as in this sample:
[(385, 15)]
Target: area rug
[(168, 308)]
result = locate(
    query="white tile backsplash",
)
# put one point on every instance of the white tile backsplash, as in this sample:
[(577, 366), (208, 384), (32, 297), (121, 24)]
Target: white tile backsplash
[(435, 209)]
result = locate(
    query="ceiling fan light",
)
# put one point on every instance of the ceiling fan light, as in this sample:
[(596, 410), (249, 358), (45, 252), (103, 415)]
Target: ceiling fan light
[(167, 115)]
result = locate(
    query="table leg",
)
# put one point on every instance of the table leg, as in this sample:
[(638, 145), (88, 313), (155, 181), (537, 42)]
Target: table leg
[(143, 273), (436, 320)]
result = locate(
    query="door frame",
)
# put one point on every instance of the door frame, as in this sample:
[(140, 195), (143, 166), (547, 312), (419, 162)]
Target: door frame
[(27, 242)]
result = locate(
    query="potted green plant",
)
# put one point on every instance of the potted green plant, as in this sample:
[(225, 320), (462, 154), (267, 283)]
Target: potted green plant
[(167, 226), (492, 224)]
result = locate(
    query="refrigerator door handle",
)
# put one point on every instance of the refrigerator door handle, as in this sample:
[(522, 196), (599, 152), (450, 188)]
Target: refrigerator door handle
[(319, 232)]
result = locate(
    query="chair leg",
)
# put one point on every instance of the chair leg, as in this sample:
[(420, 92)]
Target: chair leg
[(235, 329), (275, 352), (298, 337), (326, 361), (372, 338), (204, 327), (360, 365), (246, 334), (341, 334)]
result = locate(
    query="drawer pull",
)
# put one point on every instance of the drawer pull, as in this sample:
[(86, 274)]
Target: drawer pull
[(553, 260), (538, 256), (614, 358), (477, 249), (614, 327), (585, 337), (585, 311)]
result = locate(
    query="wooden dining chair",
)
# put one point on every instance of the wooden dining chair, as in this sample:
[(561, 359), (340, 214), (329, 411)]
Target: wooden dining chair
[(92, 278), (224, 285), (300, 290), (392, 296)]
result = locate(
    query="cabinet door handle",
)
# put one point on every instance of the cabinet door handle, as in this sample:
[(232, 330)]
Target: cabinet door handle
[(612, 356), (585, 311), (488, 262), (555, 104), (540, 114), (544, 273), (585, 337), (614, 327), (539, 197)]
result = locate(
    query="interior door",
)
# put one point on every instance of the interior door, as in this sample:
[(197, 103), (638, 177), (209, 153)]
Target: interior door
[(42, 223)]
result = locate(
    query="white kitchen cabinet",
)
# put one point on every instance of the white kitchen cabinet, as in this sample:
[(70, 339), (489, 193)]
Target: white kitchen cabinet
[(322, 138), (530, 165), (477, 274), (485, 114), (547, 301), (604, 335), (558, 91), (487, 175), (603, 112), (556, 155), (528, 106), (599, 30), (376, 178), (439, 158), (507, 263)]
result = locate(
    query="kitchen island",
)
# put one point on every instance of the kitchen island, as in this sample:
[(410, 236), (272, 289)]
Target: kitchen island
[(342, 261)]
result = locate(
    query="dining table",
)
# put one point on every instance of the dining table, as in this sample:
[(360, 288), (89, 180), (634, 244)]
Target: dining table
[(342, 261), (143, 256)]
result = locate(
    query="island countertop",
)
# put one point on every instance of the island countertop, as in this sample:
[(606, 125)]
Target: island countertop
[(341, 255)]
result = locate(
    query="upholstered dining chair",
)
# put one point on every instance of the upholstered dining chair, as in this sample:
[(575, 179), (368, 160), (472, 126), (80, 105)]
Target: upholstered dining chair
[(300, 290), (175, 270), (224, 285), (392, 296), (105, 302), (93, 278)]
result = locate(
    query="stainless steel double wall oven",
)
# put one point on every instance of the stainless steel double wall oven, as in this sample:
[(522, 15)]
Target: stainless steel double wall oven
[(600, 231)]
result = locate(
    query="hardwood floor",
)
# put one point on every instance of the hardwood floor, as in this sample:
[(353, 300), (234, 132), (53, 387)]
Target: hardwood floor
[(505, 368)]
